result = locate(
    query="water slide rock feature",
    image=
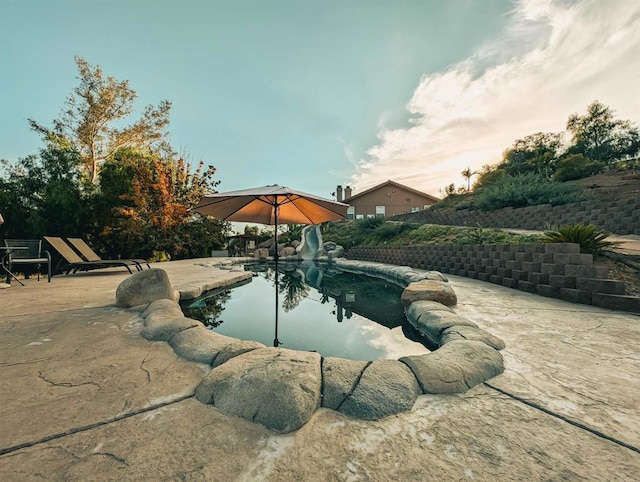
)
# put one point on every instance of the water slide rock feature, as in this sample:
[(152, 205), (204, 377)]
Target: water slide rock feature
[(277, 388), (311, 245)]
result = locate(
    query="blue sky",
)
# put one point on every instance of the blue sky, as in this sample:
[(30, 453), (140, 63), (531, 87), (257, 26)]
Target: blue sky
[(312, 94)]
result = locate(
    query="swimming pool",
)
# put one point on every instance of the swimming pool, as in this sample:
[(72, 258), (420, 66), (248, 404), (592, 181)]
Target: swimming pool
[(332, 312)]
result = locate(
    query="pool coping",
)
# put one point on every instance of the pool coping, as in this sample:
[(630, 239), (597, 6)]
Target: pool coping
[(467, 355)]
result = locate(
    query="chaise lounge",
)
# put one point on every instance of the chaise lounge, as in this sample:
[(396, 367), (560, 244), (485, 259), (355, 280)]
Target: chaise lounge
[(90, 255), (75, 263)]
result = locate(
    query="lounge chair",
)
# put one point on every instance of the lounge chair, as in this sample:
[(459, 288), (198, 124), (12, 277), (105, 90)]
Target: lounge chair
[(29, 252), (75, 263), (90, 255)]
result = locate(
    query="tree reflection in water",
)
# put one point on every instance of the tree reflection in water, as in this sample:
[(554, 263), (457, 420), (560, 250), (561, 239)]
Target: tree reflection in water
[(209, 310)]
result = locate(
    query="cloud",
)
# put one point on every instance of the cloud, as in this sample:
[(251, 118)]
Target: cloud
[(554, 58)]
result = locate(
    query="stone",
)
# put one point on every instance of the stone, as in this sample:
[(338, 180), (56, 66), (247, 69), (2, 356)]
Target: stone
[(460, 332), (337, 252), (386, 387), (287, 251), (295, 243), (261, 253), (430, 290), (455, 367), (163, 329), (162, 305), (199, 344), (275, 387), (339, 377), (431, 319), (234, 349), (144, 287)]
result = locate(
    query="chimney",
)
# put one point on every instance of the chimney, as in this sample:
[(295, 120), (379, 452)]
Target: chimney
[(339, 194), (347, 192)]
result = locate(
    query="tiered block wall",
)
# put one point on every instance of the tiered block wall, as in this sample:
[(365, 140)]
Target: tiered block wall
[(620, 217), (555, 270)]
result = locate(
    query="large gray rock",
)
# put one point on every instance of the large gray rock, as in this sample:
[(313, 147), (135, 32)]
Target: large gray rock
[(430, 290), (277, 388), (164, 306), (234, 349), (144, 287), (431, 318), (339, 378), (386, 387), (458, 332), (164, 329), (199, 344), (455, 367)]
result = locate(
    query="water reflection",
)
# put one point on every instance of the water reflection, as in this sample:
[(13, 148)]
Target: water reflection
[(329, 311)]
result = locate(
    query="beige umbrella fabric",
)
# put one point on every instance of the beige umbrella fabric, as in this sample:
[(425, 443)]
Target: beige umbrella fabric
[(271, 205)]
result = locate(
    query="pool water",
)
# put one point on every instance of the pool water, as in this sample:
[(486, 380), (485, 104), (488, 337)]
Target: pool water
[(334, 313)]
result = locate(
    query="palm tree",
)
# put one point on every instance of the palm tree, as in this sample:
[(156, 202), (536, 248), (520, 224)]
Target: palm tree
[(467, 174)]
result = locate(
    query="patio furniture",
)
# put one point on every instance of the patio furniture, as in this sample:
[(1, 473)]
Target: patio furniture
[(32, 255), (4, 263), (90, 255), (75, 263)]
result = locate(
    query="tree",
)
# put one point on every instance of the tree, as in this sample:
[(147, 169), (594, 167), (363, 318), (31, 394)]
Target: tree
[(468, 174), (41, 195), (599, 136), (535, 153), (90, 121), (143, 205)]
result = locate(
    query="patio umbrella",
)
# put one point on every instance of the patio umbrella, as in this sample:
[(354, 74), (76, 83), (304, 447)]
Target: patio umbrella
[(271, 205)]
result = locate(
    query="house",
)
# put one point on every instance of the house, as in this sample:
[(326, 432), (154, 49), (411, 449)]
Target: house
[(384, 200)]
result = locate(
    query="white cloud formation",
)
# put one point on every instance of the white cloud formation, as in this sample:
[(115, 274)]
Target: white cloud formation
[(554, 59)]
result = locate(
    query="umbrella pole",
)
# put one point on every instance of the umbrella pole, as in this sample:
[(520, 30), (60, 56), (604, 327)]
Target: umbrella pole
[(276, 342)]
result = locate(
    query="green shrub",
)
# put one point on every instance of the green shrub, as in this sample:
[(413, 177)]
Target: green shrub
[(576, 167), (591, 239), (528, 189)]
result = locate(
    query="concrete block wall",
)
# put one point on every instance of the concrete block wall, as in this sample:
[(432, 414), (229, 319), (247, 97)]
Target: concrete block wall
[(556, 270), (619, 217)]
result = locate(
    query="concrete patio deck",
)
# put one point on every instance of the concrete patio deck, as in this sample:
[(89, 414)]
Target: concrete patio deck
[(85, 397)]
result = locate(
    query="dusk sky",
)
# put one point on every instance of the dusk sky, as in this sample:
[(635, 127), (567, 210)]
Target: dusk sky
[(311, 94)]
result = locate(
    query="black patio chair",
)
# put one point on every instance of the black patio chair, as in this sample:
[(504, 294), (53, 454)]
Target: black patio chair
[(32, 255)]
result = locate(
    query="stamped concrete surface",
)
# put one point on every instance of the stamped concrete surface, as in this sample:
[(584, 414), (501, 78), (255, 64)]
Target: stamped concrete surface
[(85, 397)]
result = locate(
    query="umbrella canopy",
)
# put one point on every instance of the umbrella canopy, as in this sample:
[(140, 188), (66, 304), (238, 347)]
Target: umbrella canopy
[(271, 205)]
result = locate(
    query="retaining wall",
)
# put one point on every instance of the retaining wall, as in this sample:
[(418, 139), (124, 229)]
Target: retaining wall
[(620, 217), (556, 270)]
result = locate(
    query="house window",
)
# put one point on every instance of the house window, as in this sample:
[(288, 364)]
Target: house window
[(351, 212), (359, 216), (380, 211), (371, 216), (415, 209)]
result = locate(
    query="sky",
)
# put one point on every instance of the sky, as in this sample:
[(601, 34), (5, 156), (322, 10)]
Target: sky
[(314, 93)]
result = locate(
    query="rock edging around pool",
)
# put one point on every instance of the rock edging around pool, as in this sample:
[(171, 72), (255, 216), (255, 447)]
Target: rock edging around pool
[(281, 388)]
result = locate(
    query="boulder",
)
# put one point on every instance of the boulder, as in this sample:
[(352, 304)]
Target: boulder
[(295, 243), (458, 332), (430, 290), (337, 252), (430, 319), (144, 287), (261, 253), (386, 387), (163, 305), (455, 367), (275, 387), (288, 251), (339, 378), (199, 344), (163, 329), (234, 349)]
